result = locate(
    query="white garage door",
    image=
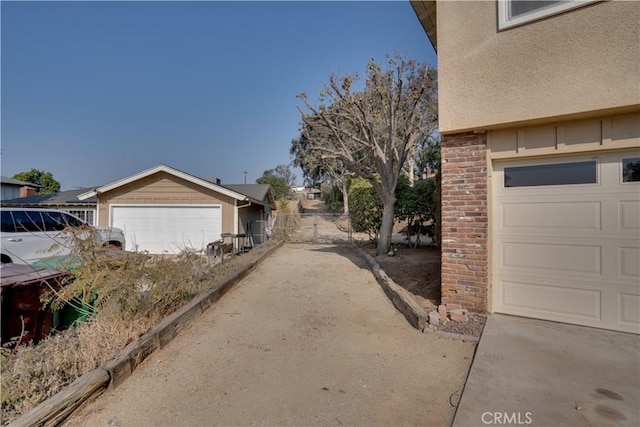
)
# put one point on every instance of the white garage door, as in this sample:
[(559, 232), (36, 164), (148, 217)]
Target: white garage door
[(566, 239), (168, 228)]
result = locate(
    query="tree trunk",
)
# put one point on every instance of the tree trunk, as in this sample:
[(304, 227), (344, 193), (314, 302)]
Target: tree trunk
[(386, 229), (345, 196)]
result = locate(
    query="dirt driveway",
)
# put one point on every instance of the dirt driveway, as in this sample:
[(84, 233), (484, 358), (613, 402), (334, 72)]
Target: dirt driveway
[(308, 338)]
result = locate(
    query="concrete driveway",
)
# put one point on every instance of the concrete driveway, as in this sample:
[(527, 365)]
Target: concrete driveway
[(538, 373)]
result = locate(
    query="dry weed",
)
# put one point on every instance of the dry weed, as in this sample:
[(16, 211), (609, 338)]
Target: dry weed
[(33, 373)]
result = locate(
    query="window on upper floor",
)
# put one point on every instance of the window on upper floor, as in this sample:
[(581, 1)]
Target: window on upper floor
[(516, 12)]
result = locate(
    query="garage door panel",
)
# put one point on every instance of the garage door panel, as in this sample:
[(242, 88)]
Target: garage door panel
[(546, 215), (629, 312), (629, 263), (584, 259), (629, 213), (561, 301), (568, 253)]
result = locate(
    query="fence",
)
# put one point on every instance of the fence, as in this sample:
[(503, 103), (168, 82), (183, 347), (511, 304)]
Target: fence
[(324, 228)]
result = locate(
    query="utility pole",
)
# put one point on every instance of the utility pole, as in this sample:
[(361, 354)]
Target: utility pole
[(245, 177)]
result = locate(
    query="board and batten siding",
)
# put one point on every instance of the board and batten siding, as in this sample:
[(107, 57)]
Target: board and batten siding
[(166, 189), (569, 137)]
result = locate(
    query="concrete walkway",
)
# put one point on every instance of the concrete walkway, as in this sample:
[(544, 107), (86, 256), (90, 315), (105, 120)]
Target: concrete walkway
[(308, 338), (538, 373)]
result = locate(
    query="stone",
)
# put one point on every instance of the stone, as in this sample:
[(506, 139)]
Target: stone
[(458, 317), (434, 318), (442, 310)]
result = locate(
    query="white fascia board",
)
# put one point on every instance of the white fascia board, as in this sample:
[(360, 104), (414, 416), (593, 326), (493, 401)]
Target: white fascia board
[(169, 170)]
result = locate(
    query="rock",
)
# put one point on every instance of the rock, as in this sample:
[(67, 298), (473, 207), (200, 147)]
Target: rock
[(442, 311), (434, 318), (458, 317)]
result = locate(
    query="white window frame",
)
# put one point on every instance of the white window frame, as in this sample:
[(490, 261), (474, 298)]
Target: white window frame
[(83, 214), (506, 21)]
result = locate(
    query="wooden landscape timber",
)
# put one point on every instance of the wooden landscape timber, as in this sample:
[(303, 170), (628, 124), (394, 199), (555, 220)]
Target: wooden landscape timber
[(401, 299)]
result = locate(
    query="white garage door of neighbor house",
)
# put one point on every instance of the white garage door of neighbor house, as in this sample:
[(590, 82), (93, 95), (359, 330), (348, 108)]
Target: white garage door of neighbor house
[(168, 229), (566, 241)]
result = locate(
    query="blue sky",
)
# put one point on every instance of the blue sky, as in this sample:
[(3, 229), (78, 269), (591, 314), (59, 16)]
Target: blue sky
[(96, 91)]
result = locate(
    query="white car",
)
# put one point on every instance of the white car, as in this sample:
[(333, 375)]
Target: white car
[(30, 234)]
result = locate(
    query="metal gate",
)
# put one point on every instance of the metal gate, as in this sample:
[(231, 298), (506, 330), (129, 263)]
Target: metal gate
[(325, 228)]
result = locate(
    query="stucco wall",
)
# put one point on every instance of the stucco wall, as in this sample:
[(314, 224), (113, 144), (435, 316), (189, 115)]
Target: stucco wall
[(581, 63), (165, 189)]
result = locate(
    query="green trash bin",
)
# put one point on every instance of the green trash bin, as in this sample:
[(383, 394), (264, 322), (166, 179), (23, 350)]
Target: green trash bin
[(75, 311)]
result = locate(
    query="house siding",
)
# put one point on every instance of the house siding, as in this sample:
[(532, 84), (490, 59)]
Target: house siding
[(165, 189), (570, 137), (464, 220), (579, 64)]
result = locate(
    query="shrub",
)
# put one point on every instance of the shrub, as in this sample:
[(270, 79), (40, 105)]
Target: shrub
[(417, 205), (365, 209)]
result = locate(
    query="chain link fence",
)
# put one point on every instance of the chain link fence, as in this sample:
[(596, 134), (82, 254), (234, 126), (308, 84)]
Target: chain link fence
[(323, 228)]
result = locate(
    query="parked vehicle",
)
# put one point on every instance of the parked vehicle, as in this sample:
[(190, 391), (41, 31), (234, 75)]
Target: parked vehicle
[(29, 234)]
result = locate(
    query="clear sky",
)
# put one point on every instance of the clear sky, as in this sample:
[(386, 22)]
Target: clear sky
[(96, 91)]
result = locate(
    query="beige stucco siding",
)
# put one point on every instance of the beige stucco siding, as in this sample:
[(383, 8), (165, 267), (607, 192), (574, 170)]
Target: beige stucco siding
[(582, 63), (166, 189)]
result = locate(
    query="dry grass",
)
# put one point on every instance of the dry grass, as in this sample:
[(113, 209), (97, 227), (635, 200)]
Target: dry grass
[(33, 373), (130, 293)]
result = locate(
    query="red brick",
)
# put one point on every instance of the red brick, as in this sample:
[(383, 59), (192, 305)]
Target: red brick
[(458, 317), (464, 220)]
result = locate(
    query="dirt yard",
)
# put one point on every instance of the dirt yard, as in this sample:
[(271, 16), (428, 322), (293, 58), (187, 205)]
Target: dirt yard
[(415, 269), (308, 338)]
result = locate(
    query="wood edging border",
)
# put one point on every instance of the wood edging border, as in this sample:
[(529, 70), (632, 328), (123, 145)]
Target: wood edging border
[(400, 298), (55, 410)]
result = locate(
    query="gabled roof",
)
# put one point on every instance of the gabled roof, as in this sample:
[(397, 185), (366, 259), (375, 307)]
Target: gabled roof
[(12, 181), (54, 199), (260, 193), (255, 191), (169, 170)]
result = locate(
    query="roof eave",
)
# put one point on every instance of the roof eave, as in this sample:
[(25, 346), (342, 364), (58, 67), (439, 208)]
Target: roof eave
[(169, 170), (426, 12)]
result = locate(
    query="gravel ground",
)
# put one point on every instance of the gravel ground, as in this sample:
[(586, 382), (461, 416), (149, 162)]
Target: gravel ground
[(472, 327)]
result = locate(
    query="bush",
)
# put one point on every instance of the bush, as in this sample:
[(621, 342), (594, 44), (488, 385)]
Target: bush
[(287, 219), (332, 197), (417, 205), (365, 209)]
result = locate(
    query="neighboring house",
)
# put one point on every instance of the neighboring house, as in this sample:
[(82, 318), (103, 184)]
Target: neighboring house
[(63, 200), (14, 188), (539, 111), (164, 210), (254, 217)]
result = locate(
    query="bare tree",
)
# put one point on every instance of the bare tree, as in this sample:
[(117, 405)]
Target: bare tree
[(316, 167), (375, 129)]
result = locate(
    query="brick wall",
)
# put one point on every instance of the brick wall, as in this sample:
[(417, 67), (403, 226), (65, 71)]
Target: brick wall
[(464, 221)]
